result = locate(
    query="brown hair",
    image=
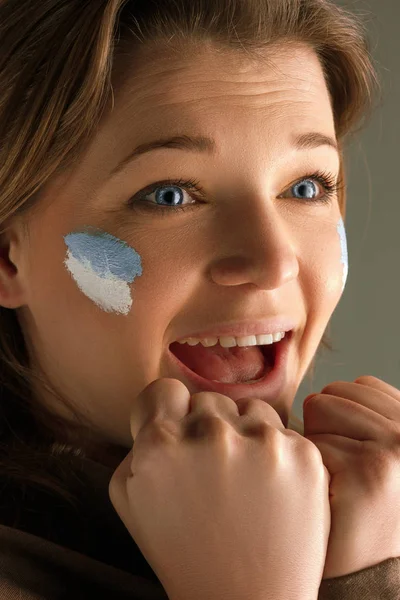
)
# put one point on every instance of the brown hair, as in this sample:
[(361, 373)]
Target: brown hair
[(58, 61)]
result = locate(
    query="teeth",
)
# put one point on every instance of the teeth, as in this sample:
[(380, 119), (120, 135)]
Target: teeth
[(230, 342)]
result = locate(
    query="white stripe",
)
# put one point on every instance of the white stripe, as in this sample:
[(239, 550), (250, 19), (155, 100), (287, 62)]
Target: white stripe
[(109, 293)]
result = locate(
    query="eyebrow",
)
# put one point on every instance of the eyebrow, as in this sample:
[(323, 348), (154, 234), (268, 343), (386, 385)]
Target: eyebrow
[(207, 145)]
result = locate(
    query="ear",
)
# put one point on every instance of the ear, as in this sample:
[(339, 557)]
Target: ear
[(12, 290)]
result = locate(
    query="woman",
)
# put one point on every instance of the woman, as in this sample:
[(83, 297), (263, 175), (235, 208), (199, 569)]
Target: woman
[(107, 288)]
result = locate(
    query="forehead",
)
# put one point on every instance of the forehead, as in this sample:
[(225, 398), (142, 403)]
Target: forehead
[(209, 79), (238, 101)]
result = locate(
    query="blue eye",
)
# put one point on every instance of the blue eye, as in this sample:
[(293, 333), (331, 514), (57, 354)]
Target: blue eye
[(306, 187), (168, 194)]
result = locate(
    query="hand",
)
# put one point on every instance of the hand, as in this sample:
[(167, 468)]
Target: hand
[(356, 427), (222, 500)]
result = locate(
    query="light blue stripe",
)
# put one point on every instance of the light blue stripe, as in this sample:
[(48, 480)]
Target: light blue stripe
[(105, 253), (343, 244)]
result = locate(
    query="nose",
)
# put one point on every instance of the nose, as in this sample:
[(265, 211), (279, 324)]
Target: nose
[(261, 252)]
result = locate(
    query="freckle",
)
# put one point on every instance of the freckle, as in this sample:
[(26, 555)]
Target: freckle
[(102, 266)]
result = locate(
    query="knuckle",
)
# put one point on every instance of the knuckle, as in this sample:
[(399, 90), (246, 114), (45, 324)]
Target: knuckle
[(203, 403), (310, 452), (332, 387), (206, 425), (159, 389), (313, 400), (250, 402), (260, 429), (366, 379), (160, 432)]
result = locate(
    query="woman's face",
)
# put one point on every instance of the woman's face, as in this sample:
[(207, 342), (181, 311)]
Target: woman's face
[(255, 244)]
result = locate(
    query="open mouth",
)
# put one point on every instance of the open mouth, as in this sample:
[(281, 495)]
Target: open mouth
[(230, 366)]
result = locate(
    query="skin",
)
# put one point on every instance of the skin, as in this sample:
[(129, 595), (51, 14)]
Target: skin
[(200, 267)]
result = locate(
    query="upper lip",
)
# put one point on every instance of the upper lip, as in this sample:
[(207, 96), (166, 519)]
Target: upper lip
[(245, 328)]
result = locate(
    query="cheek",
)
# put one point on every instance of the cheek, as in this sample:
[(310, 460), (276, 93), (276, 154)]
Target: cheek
[(336, 261), (328, 265), (102, 267)]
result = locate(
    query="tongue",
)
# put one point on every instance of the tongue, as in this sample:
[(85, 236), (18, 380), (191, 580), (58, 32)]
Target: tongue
[(228, 365)]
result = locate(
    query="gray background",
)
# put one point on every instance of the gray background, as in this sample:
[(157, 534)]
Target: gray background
[(365, 327)]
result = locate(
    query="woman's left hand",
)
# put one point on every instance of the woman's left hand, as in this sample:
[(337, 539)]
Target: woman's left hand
[(356, 427)]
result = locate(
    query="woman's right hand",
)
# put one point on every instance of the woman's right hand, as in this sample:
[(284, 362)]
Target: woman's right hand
[(222, 500)]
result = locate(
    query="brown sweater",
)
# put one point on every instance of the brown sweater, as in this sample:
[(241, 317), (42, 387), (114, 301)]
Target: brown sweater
[(49, 551)]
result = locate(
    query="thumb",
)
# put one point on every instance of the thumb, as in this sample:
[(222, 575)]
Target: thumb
[(162, 399)]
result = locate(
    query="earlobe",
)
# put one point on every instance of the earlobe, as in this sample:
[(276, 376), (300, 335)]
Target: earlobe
[(10, 285)]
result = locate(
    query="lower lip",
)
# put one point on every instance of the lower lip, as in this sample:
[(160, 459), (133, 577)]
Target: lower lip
[(268, 389)]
